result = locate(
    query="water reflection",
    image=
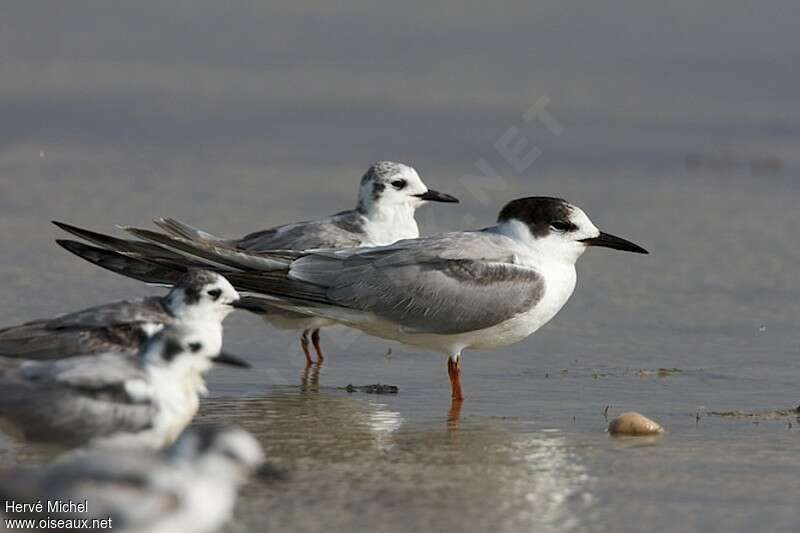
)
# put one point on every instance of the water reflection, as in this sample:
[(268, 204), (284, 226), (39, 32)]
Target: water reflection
[(309, 379), (373, 467)]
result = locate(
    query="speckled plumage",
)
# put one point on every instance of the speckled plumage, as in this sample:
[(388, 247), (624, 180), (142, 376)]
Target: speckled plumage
[(185, 488)]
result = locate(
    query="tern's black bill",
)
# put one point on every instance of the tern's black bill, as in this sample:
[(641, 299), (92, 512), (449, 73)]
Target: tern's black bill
[(249, 304), (436, 196), (267, 472), (606, 240), (225, 358)]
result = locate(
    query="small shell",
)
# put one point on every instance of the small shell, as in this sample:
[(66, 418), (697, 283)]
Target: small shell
[(633, 424)]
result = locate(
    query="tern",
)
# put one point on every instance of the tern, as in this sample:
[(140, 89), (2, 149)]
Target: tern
[(200, 298), (111, 398), (477, 289), (388, 197), (191, 486)]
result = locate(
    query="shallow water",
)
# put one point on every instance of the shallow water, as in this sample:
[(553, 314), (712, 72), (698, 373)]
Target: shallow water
[(717, 300), (677, 133)]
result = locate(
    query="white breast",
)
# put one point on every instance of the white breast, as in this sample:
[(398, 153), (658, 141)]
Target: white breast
[(177, 401), (389, 226)]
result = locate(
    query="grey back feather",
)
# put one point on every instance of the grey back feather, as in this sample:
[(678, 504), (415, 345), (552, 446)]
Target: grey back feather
[(343, 230), (151, 309), (74, 400), (110, 327), (124, 485), (450, 283)]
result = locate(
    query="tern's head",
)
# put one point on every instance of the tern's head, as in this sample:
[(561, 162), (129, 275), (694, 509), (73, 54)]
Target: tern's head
[(556, 228), (223, 452), (390, 185), (186, 349), (202, 295)]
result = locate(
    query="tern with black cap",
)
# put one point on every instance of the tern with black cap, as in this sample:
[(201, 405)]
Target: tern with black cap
[(450, 292)]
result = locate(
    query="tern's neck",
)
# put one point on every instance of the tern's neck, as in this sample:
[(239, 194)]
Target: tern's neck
[(556, 264), (388, 224), (184, 376)]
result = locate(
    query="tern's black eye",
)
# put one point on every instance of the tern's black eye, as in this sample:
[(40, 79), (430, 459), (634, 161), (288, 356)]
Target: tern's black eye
[(215, 293), (399, 184), (195, 347), (563, 225)]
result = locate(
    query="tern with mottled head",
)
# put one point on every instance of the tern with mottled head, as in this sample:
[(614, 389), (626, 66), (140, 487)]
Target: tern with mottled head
[(200, 298), (113, 399), (190, 487)]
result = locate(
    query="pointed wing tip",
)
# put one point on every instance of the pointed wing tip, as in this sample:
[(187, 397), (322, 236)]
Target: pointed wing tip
[(76, 247), (67, 243)]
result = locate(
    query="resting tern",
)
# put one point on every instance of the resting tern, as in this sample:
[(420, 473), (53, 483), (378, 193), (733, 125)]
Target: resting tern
[(111, 398), (200, 298), (192, 486)]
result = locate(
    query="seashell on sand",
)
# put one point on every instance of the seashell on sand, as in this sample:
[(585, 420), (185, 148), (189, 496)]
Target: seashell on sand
[(633, 424)]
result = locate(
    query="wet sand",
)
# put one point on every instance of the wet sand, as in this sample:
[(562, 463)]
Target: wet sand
[(677, 132)]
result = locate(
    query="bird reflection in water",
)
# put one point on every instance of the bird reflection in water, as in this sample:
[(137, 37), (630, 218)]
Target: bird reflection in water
[(309, 378), (357, 461)]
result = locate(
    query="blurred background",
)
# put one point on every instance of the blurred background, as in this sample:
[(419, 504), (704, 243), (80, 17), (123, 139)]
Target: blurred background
[(673, 125)]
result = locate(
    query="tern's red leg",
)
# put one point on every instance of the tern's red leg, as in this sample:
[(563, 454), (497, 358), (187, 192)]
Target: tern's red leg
[(454, 370), (315, 341), (304, 344)]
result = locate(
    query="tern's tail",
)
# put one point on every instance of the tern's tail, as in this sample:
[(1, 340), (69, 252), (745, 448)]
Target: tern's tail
[(163, 259), (179, 251), (216, 254), (181, 229), (149, 271)]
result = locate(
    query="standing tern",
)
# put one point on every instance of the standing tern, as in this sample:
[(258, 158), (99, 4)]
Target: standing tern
[(190, 487), (113, 399), (200, 298), (450, 292), (388, 197)]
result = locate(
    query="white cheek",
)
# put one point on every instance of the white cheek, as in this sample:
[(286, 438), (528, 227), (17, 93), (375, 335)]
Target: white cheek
[(415, 187), (586, 230)]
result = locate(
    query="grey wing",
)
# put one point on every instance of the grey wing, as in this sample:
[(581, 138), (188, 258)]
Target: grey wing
[(73, 403), (39, 343), (98, 329), (86, 372), (117, 484), (343, 230), (144, 310), (68, 417), (447, 296), (451, 283)]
